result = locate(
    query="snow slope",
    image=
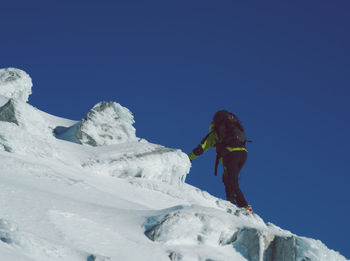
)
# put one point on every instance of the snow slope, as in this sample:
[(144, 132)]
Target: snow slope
[(91, 190)]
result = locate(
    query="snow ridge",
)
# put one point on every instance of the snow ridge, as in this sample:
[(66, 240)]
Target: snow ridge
[(91, 190)]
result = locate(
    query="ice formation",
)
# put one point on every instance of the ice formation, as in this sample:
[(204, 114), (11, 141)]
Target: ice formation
[(15, 83)]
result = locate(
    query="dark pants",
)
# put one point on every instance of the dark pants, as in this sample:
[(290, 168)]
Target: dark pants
[(233, 163)]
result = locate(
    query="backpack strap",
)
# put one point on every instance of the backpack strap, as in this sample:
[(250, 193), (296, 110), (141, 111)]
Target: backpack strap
[(217, 164)]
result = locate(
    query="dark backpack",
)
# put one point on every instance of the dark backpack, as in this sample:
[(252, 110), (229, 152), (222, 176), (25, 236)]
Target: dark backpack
[(231, 134), (229, 129)]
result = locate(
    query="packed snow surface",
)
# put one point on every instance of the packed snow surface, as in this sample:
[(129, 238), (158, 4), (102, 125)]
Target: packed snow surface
[(90, 190)]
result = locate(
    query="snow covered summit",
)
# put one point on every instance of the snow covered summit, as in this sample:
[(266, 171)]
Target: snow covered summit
[(90, 190)]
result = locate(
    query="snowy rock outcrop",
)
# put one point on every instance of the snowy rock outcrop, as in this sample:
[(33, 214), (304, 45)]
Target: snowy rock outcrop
[(25, 130), (140, 160), (106, 124), (7, 112), (242, 236), (197, 226), (15, 84)]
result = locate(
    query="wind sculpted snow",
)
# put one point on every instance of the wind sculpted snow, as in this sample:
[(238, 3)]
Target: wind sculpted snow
[(15, 83), (90, 190)]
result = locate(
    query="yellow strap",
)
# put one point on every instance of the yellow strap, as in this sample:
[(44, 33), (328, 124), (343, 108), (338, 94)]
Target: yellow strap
[(236, 149)]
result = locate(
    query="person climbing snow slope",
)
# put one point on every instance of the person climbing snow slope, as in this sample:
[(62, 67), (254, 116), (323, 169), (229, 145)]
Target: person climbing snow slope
[(228, 137)]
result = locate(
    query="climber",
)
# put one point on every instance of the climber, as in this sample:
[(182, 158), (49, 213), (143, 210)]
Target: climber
[(228, 137)]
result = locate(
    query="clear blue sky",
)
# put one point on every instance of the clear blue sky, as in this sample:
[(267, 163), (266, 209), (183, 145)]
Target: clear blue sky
[(282, 66)]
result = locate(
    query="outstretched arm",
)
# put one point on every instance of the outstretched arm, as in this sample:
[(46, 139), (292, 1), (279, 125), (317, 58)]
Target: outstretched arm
[(208, 142)]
